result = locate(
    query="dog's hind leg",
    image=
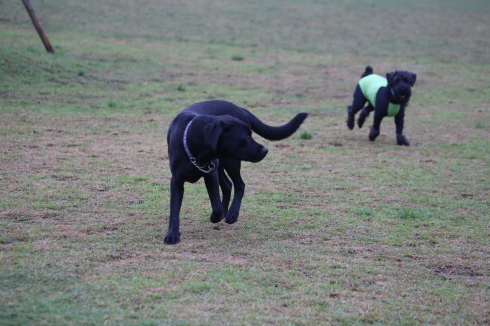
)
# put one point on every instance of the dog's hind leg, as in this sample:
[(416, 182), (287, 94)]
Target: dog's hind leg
[(212, 185), (357, 104), (364, 114), (232, 168)]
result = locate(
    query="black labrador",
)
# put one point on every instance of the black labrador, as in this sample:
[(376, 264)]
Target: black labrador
[(205, 140)]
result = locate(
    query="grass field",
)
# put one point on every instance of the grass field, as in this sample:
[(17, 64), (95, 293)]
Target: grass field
[(334, 230)]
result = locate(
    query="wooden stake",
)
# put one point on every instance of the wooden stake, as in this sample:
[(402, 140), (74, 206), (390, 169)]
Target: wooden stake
[(38, 27)]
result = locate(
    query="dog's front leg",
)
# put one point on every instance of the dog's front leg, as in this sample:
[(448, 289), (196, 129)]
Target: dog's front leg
[(212, 185), (233, 170), (226, 186), (399, 121), (176, 195)]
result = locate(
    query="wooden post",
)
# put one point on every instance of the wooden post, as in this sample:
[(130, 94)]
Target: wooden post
[(38, 27)]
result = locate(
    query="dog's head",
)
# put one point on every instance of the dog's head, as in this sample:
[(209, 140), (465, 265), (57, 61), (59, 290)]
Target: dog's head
[(400, 85), (229, 137)]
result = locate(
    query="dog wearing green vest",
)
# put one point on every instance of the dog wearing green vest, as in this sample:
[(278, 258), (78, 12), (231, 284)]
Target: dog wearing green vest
[(387, 97)]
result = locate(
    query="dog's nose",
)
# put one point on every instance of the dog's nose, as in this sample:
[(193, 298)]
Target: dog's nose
[(265, 150)]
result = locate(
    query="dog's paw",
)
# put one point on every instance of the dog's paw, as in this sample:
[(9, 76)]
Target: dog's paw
[(172, 238), (216, 217), (231, 218), (360, 121), (373, 134), (402, 140)]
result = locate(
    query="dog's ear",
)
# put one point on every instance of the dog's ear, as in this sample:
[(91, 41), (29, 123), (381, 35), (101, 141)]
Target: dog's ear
[(413, 77), (389, 77), (212, 132)]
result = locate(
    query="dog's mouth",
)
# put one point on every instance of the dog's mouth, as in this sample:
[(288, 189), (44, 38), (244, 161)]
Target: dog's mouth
[(404, 96)]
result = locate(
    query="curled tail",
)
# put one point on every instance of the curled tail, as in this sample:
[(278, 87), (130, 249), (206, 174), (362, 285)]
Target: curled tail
[(276, 133), (369, 71)]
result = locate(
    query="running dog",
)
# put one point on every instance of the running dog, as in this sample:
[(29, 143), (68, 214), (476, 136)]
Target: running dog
[(387, 97)]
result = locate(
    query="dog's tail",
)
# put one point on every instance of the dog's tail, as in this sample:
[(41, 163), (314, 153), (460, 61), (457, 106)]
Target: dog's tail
[(276, 133), (369, 71)]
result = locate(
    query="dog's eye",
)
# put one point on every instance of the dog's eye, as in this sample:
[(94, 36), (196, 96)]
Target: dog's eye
[(245, 141)]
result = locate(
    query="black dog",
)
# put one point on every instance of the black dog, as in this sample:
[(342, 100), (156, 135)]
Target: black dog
[(205, 140), (386, 97)]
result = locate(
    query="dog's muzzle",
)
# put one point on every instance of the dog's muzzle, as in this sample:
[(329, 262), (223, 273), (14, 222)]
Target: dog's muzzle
[(260, 155), (404, 93)]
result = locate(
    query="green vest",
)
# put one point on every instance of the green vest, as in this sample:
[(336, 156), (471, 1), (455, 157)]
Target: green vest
[(370, 86)]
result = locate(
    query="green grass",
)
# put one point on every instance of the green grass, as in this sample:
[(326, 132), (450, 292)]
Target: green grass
[(305, 135), (238, 57), (334, 229)]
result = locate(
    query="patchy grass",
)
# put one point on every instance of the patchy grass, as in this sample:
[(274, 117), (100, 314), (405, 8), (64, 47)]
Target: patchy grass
[(334, 229)]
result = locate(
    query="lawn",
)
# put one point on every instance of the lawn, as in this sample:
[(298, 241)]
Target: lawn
[(334, 230)]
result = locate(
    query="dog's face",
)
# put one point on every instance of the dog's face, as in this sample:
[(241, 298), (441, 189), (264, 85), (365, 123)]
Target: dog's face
[(400, 84), (231, 138)]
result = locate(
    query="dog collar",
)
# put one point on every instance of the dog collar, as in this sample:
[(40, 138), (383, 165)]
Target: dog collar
[(206, 168)]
